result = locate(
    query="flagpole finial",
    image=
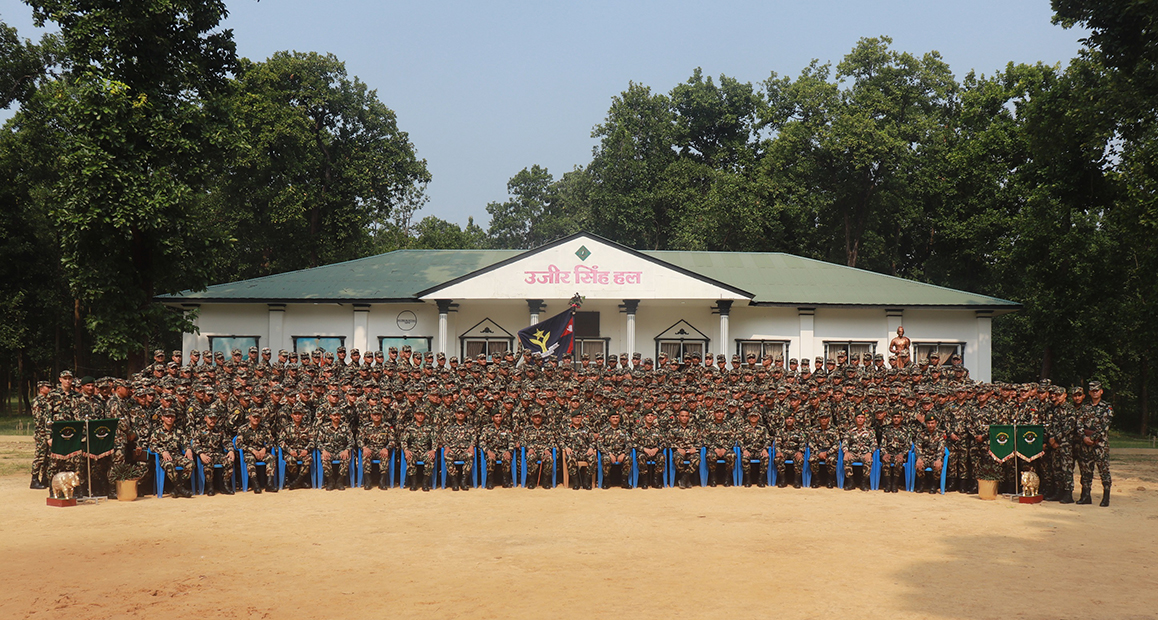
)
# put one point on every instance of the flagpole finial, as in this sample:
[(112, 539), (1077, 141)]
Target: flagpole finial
[(576, 300)]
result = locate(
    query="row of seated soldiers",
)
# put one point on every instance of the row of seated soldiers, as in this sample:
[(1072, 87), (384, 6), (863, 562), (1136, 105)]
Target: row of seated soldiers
[(408, 409)]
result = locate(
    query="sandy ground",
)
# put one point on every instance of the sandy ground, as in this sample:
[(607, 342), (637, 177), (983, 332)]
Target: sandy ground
[(732, 553)]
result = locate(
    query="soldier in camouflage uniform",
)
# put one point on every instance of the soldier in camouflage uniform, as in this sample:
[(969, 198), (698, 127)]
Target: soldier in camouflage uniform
[(895, 444), (719, 437), (1094, 422), (648, 441), (930, 452), (1067, 434), (375, 439), (684, 440), (255, 442), (171, 442), (335, 440), (498, 444), (418, 443), (42, 430), (824, 443), (458, 441), (614, 444), (577, 444), (297, 444), (213, 448), (537, 440), (754, 441), (790, 442), (859, 444)]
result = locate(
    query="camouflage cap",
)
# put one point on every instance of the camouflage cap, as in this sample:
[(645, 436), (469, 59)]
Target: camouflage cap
[(1094, 386), (158, 353), (66, 374)]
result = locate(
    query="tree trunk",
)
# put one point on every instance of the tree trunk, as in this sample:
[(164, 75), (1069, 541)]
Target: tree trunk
[(1046, 362), (77, 341), (1145, 371)]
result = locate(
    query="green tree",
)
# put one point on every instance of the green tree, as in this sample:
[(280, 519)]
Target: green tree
[(315, 162), (540, 209)]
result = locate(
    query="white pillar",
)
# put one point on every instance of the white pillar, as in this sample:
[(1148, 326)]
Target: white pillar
[(276, 324), (535, 306), (189, 339), (630, 306), (807, 331), (443, 311), (361, 327), (981, 367), (893, 319)]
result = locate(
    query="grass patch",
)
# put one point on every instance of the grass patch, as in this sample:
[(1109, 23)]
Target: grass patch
[(16, 425)]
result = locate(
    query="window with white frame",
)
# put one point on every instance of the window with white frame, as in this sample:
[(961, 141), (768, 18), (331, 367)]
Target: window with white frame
[(226, 344), (487, 338), (849, 347), (308, 344), (761, 348), (681, 340), (944, 350), (590, 346)]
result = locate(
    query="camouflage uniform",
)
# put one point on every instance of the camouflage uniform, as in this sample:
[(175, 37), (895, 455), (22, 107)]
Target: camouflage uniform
[(1094, 422), (685, 438), (824, 440), (538, 441), (335, 441), (650, 437), (789, 441), (373, 439), (213, 444), (613, 442), (458, 439), (1066, 432), (297, 437), (41, 420), (418, 439), (175, 442), (754, 441), (494, 441), (859, 442), (250, 439)]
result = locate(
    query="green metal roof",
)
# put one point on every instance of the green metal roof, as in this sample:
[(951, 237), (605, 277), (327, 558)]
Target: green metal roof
[(772, 278), (784, 279), (394, 276)]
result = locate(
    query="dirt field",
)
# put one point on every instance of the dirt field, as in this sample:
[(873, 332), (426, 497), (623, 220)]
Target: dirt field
[(730, 553)]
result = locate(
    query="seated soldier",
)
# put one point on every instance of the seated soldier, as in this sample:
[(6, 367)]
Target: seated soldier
[(336, 442), (754, 442), (648, 441), (859, 444), (538, 441), (577, 444), (895, 444), (418, 443), (824, 442), (790, 443), (297, 444), (684, 440), (375, 438), (719, 438), (169, 441), (256, 444), (210, 445), (930, 453), (498, 443), (458, 445), (614, 443)]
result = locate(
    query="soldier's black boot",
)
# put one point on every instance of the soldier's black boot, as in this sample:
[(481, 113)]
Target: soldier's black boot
[(36, 483), (814, 483), (797, 483), (658, 480), (761, 478), (254, 485), (891, 480), (508, 477), (849, 483), (271, 484), (934, 484), (412, 481), (585, 478), (1066, 497), (1085, 497), (465, 484), (226, 483), (210, 484), (1105, 496), (964, 485), (830, 481), (367, 480), (747, 479), (454, 479), (490, 478), (426, 481), (712, 473), (781, 479), (384, 480), (950, 484), (919, 483)]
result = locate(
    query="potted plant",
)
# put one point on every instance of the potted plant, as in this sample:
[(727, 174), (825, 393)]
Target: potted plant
[(126, 476), (988, 475)]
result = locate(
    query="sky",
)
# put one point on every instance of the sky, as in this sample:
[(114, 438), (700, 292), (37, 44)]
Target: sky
[(485, 89)]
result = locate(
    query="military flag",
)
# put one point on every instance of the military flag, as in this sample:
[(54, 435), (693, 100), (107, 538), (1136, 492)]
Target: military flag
[(67, 438), (1001, 442), (554, 336), (1029, 441), (102, 435)]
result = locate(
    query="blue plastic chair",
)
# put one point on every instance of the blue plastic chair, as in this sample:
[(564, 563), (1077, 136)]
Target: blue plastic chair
[(669, 473), (911, 469), (875, 471), (599, 469), (771, 468), (482, 469), (316, 472), (806, 470), (840, 465), (446, 467), (944, 469), (703, 466)]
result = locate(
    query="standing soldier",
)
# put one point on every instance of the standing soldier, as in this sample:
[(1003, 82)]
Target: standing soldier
[(1094, 423), (1067, 434), (42, 426)]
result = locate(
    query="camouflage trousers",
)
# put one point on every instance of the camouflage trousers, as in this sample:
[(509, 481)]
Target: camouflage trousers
[(660, 460), (829, 464), (251, 463), (1090, 457), (492, 458), (1063, 471), (466, 455), (292, 469), (729, 457), (40, 457), (343, 467), (534, 456), (1048, 466), (573, 463), (170, 467), (959, 460), (416, 457), (781, 456), (930, 460), (607, 465), (224, 459), (369, 453), (746, 462), (689, 463)]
